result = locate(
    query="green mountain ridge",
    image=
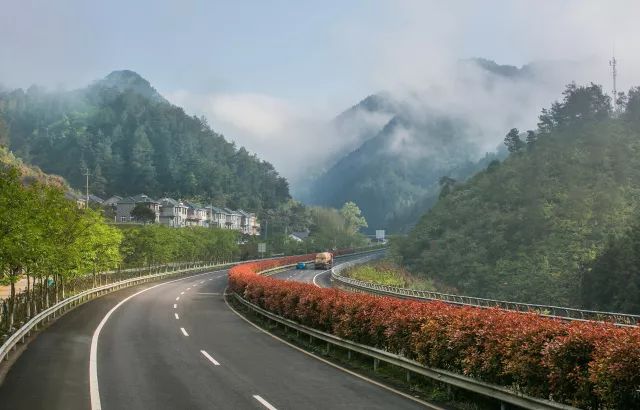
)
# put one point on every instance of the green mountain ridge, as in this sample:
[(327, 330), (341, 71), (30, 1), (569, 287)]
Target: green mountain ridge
[(530, 228), (132, 140), (393, 173)]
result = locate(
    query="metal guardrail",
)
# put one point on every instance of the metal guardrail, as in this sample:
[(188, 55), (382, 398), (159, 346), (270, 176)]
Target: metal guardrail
[(557, 312), (69, 303), (503, 394)]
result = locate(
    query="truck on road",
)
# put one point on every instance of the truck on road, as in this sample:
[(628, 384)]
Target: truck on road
[(324, 260)]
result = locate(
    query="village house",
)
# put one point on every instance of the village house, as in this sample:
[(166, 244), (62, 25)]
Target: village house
[(196, 215), (126, 205), (178, 214), (173, 213)]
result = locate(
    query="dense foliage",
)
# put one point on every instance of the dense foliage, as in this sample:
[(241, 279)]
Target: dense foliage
[(46, 237), (132, 141), (587, 365), (525, 229), (157, 244)]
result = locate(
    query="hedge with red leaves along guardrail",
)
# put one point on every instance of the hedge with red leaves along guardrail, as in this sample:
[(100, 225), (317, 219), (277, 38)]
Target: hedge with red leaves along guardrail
[(584, 364)]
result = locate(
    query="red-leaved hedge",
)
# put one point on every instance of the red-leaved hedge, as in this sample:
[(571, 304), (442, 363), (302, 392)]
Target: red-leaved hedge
[(585, 364)]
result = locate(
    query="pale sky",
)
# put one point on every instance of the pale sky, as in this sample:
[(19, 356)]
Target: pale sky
[(266, 72)]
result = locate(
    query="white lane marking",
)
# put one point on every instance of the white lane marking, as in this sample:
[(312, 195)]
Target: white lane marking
[(211, 359), (94, 387), (359, 376), (178, 298), (184, 332), (188, 288), (175, 305), (177, 317), (314, 278), (209, 293), (264, 402), (182, 293), (203, 281)]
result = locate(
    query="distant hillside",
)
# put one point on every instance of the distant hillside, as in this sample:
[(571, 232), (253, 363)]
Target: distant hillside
[(29, 172), (530, 228), (403, 145), (132, 140)]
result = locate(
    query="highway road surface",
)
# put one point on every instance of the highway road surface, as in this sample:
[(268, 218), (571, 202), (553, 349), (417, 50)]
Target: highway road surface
[(320, 278), (177, 345)]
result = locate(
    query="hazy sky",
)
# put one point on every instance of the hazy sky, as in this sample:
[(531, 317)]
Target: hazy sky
[(266, 73)]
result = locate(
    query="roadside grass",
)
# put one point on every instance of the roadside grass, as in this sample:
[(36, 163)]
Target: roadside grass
[(388, 273)]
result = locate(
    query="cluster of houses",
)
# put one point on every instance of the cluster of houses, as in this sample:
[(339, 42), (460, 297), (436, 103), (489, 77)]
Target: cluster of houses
[(178, 214)]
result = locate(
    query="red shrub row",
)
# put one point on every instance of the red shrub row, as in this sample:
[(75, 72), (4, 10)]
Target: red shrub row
[(588, 365)]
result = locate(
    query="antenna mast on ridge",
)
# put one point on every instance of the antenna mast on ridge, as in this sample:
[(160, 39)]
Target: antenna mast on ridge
[(614, 73)]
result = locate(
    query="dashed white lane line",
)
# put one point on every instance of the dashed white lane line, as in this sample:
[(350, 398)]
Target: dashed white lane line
[(94, 387), (182, 293), (211, 359), (177, 317), (178, 298), (264, 402), (184, 332), (188, 288), (175, 305)]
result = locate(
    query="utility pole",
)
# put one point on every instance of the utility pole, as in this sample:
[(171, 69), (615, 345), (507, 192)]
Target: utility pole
[(86, 174)]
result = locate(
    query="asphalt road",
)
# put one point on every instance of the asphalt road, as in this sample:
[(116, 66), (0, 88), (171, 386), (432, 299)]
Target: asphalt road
[(156, 352), (321, 278)]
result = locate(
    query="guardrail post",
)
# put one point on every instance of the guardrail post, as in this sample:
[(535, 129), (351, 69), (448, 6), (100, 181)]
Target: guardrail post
[(376, 364), (503, 405), (408, 376), (348, 354), (328, 348)]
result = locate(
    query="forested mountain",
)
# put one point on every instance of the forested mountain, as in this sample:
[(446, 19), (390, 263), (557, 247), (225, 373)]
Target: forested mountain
[(132, 140), (406, 143), (532, 227)]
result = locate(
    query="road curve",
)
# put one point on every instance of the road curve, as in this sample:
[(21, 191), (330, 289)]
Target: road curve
[(320, 278), (156, 352)]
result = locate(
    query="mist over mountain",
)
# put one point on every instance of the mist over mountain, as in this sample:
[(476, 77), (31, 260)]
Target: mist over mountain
[(406, 140), (132, 140)]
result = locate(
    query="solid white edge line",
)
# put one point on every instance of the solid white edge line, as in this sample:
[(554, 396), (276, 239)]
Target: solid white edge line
[(211, 359), (184, 332), (177, 317), (384, 386), (94, 389), (318, 274), (264, 402)]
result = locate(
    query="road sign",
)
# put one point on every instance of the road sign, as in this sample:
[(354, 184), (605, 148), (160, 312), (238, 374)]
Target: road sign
[(380, 234)]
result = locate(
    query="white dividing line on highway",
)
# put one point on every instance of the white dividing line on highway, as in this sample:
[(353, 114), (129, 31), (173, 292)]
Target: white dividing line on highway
[(175, 305), (184, 332), (189, 288), (182, 293), (211, 359), (178, 298), (177, 317), (94, 387), (264, 402), (359, 376)]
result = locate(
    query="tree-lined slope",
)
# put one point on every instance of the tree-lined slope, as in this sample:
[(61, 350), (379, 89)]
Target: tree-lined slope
[(529, 228), (132, 140)]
